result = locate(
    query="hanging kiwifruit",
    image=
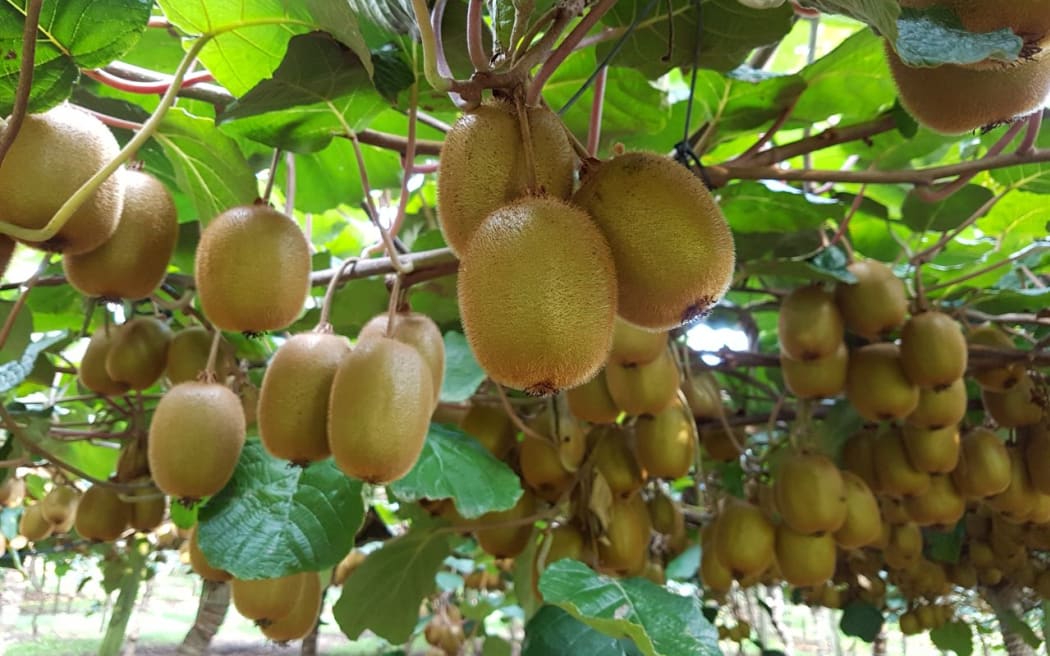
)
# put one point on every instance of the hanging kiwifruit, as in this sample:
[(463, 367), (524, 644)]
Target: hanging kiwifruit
[(810, 493), (267, 600), (876, 385), (863, 525), (418, 331), (703, 394), (933, 350), (995, 378), (592, 401), (1018, 406), (940, 408), (809, 324), (624, 547), (716, 576), (101, 514), (670, 271), (146, 508), (932, 451), (858, 456), (666, 443), (644, 389), (941, 503), (984, 465), (897, 476), (490, 426), (509, 533), (303, 616), (188, 355), (537, 296), (817, 378), (904, 547), (199, 562), (805, 560), (542, 470), (32, 525), (139, 352), (744, 539), (59, 504), (92, 371), (567, 433), (874, 305), (721, 445), (633, 345), (1037, 456), (612, 455), (1017, 501)]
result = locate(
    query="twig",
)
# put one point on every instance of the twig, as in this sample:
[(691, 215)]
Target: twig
[(927, 254), (323, 323), (146, 88), (513, 416), (594, 128), (781, 119), (475, 44), (826, 139), (272, 175), (565, 48), (1031, 135), (25, 77), (937, 194), (114, 122), (9, 322)]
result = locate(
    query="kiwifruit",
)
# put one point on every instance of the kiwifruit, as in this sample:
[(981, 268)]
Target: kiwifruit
[(12, 491), (188, 355), (963, 574), (7, 250), (483, 168), (146, 509), (666, 443), (805, 560), (199, 562), (347, 566), (893, 510), (101, 514), (874, 305), (624, 547), (139, 352), (665, 515), (716, 576), (703, 394), (565, 431), (195, 439), (1017, 406), (744, 539), (59, 504), (293, 401), (613, 456), (632, 345), (1017, 500), (940, 504), (817, 378), (809, 324), (508, 535), (904, 547), (303, 615), (933, 350), (541, 469), (252, 269), (418, 331), (566, 541), (267, 600), (876, 385), (92, 371), (932, 451), (984, 465), (897, 476), (953, 99), (940, 408), (862, 526), (644, 389), (548, 270), (810, 493), (490, 426), (379, 410), (720, 445), (133, 261), (1037, 457), (32, 525), (53, 154), (592, 402), (672, 271), (997, 378), (858, 456)]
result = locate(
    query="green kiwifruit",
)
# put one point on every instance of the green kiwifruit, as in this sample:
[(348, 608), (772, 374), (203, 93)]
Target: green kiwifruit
[(1018, 406), (542, 470), (940, 408), (592, 401), (744, 539), (933, 350), (32, 525), (54, 154), (703, 394), (59, 504), (483, 167), (507, 534), (644, 389), (613, 456), (666, 443), (904, 547), (932, 451), (897, 476), (267, 600), (863, 524), (625, 546), (146, 509), (303, 616), (810, 493), (139, 352), (805, 560), (632, 345), (92, 371), (665, 515), (537, 296), (293, 401), (670, 271), (941, 504), (995, 378), (874, 305), (195, 439), (199, 562), (876, 385), (418, 331), (984, 465), (252, 269), (490, 426), (858, 456), (101, 514), (565, 431), (379, 410), (817, 378), (809, 324), (188, 355), (133, 261)]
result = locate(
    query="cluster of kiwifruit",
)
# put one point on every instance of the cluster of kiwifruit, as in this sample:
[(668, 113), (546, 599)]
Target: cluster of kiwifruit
[(958, 98), (544, 269)]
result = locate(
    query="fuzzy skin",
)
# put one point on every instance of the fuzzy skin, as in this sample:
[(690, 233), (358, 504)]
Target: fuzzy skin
[(809, 324), (874, 305), (418, 331), (101, 514), (139, 352), (876, 384)]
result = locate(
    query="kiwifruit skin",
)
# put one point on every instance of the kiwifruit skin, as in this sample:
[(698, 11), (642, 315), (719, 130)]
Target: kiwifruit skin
[(252, 269), (188, 355), (537, 296), (932, 451), (53, 154), (146, 514), (632, 345), (666, 443), (418, 331), (293, 402), (941, 504), (195, 439), (862, 526), (592, 402), (744, 539), (32, 525), (809, 325), (953, 100), (303, 616), (379, 410), (897, 476), (670, 271), (876, 385), (483, 166), (718, 445), (199, 562), (628, 533), (874, 305), (805, 560), (810, 493), (1016, 406), (858, 457), (713, 572), (612, 455), (995, 379), (984, 465), (822, 377), (101, 514), (940, 408), (139, 352), (133, 261), (507, 541), (703, 395), (933, 350), (92, 372), (1016, 499), (644, 389), (491, 427), (267, 600), (59, 504)]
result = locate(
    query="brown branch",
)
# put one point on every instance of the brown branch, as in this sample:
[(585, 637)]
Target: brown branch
[(25, 77), (826, 139), (439, 258)]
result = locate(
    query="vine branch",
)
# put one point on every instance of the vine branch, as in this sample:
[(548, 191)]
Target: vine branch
[(25, 77)]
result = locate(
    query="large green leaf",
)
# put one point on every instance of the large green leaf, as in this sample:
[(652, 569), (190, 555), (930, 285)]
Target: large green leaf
[(954, 636), (209, 165), (274, 519), (463, 374), (775, 207), (935, 36), (882, 14), (384, 592), (554, 632), (73, 34), (944, 546), (454, 465), (920, 215), (329, 178), (1028, 177), (659, 622), (319, 91), (861, 620)]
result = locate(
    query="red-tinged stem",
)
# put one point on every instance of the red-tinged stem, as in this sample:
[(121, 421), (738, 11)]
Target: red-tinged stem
[(25, 78), (1034, 122), (150, 88), (594, 131), (425, 169), (114, 122), (566, 47), (410, 156), (475, 42)]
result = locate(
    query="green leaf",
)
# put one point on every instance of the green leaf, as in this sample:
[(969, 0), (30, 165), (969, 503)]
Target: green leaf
[(946, 214), (797, 269), (861, 620), (184, 517), (329, 178), (944, 546), (73, 34), (852, 80), (1028, 177), (385, 591), (463, 374), (554, 632), (319, 91), (685, 565), (14, 372), (274, 518), (775, 207), (954, 636), (1014, 624), (658, 621), (21, 331), (936, 36), (209, 165), (882, 14), (455, 465)]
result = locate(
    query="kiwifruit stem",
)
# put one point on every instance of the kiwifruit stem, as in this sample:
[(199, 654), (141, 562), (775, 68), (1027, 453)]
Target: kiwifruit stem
[(208, 375), (475, 45), (522, 12), (426, 35), (9, 323), (391, 310), (567, 46), (323, 323), (514, 418), (526, 143)]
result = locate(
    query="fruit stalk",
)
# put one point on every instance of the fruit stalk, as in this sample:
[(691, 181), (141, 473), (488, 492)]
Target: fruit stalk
[(566, 47), (25, 76)]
